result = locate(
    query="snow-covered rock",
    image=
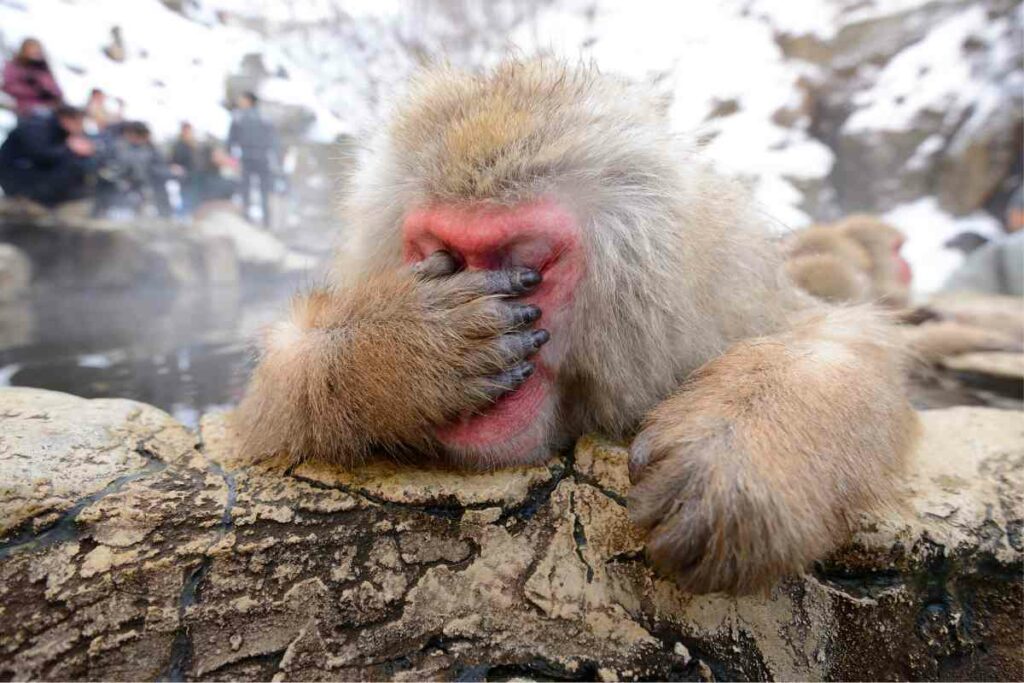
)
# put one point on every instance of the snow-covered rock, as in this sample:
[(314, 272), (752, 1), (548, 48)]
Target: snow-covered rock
[(256, 248)]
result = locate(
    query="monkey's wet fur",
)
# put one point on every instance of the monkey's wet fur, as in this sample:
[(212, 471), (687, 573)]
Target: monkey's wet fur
[(543, 196)]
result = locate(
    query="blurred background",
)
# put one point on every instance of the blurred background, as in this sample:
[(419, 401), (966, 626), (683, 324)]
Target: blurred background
[(193, 149)]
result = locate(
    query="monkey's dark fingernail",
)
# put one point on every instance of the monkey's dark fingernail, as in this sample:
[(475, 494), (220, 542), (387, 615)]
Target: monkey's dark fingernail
[(540, 337), (529, 278), (511, 379), (518, 374), (525, 370)]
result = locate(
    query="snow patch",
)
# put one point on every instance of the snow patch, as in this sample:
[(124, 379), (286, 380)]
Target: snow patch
[(927, 228)]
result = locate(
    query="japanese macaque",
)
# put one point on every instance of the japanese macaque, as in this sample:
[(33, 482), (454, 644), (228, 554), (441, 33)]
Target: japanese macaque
[(857, 260), (534, 255)]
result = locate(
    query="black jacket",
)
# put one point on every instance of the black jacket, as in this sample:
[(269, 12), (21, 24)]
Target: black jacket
[(38, 142), (254, 137)]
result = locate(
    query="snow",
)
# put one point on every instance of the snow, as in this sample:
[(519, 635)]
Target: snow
[(935, 75), (175, 68), (824, 19), (683, 51), (927, 228)]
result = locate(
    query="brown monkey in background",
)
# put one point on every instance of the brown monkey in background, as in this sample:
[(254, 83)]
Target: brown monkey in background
[(544, 195), (857, 260)]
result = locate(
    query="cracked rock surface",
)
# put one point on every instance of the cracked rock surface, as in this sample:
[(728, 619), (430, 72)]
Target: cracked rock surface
[(132, 549)]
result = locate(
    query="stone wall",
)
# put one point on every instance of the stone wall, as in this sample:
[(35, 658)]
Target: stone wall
[(131, 548)]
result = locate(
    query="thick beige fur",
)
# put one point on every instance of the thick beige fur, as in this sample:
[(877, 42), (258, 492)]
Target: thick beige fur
[(850, 261), (771, 419)]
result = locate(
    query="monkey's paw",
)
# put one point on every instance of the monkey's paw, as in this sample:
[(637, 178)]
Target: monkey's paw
[(483, 336), (715, 520)]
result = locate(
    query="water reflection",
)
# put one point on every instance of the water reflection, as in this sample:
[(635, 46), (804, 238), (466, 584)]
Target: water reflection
[(185, 352)]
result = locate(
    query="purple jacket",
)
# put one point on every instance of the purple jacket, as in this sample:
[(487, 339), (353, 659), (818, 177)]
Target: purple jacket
[(32, 86)]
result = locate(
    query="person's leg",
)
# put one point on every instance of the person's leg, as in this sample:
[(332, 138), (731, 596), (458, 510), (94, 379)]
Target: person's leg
[(14, 181), (64, 182), (105, 197), (160, 196), (264, 177), (189, 194), (246, 189)]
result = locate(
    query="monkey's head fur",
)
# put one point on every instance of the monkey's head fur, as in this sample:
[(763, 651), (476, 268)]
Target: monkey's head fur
[(575, 173)]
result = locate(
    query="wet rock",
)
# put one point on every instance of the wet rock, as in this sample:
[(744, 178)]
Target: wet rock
[(219, 248), (15, 273), (210, 569), (57, 450), (258, 251)]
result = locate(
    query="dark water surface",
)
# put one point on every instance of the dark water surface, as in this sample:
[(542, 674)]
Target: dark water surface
[(186, 352)]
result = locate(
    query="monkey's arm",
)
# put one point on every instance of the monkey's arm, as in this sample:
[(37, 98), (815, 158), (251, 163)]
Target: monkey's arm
[(383, 363), (759, 463), (933, 341)]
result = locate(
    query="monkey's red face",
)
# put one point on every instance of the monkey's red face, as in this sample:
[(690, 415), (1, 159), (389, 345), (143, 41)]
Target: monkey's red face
[(903, 272), (542, 235)]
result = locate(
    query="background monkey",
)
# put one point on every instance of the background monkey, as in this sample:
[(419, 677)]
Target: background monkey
[(767, 420), (854, 260), (857, 260)]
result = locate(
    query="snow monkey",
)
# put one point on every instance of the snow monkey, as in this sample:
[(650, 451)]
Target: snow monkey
[(855, 260), (533, 255)]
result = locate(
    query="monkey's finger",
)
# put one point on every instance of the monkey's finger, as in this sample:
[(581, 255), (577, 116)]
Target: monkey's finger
[(643, 454), (439, 264), (510, 282), (496, 386), (640, 452), (520, 315), (520, 345)]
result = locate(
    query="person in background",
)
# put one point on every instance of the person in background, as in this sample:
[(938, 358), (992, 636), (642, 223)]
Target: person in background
[(218, 173), (186, 159), (135, 171), (254, 142), (47, 157), (98, 115), (28, 79), (996, 267)]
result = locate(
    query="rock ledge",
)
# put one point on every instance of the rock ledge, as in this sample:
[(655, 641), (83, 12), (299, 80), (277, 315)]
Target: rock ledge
[(132, 549)]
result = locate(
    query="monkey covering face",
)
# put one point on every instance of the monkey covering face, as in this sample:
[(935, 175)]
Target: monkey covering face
[(533, 255)]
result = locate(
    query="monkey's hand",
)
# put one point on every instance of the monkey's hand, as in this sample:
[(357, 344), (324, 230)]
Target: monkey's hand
[(385, 362), (759, 464)]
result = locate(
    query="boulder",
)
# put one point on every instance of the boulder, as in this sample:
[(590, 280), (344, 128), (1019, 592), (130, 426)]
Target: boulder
[(72, 250), (259, 252), (167, 557), (890, 102), (15, 273)]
